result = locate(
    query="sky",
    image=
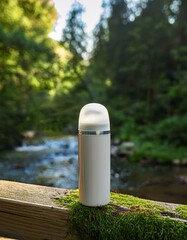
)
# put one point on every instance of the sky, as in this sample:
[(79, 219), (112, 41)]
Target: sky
[(91, 15)]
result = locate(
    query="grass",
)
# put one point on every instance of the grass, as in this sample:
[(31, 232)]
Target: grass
[(126, 217)]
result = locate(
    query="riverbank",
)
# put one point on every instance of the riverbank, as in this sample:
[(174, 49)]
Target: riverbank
[(133, 145), (135, 148), (150, 153)]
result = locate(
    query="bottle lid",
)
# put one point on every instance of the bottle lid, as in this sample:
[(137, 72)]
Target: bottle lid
[(94, 117)]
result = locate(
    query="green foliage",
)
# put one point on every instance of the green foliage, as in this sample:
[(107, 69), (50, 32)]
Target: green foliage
[(173, 130), (126, 217), (74, 39), (74, 33), (158, 152), (141, 50), (137, 69), (162, 142), (26, 65)]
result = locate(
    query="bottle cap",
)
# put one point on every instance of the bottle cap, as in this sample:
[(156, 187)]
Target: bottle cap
[(94, 119)]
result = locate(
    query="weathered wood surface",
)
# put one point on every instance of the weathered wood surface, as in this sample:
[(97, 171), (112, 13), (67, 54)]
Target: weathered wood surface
[(29, 212)]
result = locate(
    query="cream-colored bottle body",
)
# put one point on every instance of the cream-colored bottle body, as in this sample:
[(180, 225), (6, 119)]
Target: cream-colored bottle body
[(94, 169)]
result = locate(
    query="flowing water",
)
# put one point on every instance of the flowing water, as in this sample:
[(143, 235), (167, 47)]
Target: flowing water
[(54, 162)]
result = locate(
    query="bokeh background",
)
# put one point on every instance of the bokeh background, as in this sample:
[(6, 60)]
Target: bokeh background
[(134, 62)]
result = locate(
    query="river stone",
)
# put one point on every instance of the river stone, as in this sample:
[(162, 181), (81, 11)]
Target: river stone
[(126, 148)]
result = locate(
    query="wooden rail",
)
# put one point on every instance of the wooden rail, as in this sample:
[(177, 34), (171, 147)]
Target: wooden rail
[(29, 212)]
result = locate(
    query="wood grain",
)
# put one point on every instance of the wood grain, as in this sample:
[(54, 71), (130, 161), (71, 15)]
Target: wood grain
[(29, 212)]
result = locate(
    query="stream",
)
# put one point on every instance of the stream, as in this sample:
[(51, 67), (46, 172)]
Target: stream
[(54, 162)]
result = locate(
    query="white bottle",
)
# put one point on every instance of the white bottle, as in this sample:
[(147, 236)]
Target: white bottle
[(94, 155)]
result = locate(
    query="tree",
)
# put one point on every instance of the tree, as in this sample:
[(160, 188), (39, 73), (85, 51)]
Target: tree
[(109, 54), (178, 90), (26, 58), (74, 40), (74, 83)]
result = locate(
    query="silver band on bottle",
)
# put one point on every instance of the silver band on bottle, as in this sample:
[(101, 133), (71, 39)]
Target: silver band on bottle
[(86, 132)]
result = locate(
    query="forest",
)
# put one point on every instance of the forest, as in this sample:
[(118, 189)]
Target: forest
[(137, 68)]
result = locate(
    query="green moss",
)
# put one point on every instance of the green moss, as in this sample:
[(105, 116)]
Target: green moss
[(182, 210), (136, 203), (126, 217)]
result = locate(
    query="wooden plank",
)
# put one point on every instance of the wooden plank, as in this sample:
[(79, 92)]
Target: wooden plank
[(29, 212), (4, 238)]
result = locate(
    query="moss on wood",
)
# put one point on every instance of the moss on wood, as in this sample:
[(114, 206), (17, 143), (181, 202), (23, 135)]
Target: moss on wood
[(182, 210), (126, 217)]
